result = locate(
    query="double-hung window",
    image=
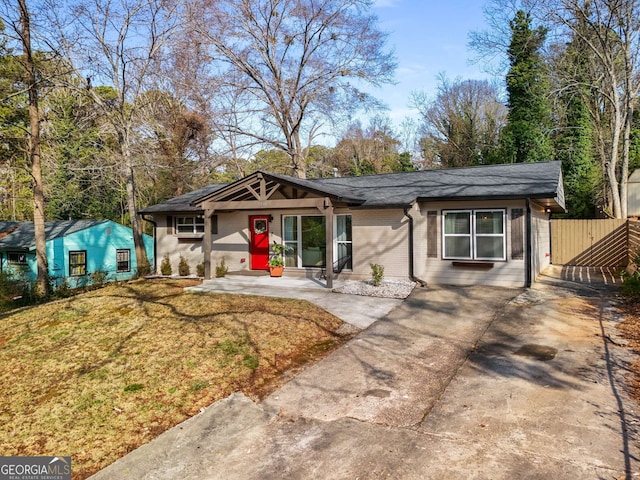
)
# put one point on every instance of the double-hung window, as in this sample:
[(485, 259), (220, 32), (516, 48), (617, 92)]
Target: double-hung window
[(474, 234), (78, 263), (194, 224), (123, 260)]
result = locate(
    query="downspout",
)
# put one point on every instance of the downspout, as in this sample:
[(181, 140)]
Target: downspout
[(155, 257), (412, 277), (528, 251)]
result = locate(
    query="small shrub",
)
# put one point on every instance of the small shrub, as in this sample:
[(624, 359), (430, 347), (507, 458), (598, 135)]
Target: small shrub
[(63, 289), (200, 269), (165, 266), (98, 278), (221, 270), (377, 274), (183, 267), (631, 287), (14, 291)]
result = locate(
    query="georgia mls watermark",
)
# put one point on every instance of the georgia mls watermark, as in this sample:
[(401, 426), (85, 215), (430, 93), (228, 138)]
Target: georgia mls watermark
[(35, 468)]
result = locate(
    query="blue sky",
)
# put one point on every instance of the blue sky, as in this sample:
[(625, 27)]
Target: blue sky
[(429, 37)]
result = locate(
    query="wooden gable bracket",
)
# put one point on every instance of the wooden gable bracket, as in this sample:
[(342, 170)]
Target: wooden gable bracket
[(262, 194), (272, 191), (253, 192)]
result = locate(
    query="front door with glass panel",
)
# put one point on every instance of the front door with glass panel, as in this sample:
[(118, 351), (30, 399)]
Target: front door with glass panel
[(259, 242)]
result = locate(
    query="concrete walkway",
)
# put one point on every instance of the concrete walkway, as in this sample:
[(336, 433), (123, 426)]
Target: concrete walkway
[(356, 310), (455, 383)]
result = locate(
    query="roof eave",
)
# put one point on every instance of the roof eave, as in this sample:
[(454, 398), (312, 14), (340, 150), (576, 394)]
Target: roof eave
[(285, 180), (474, 198), (189, 211), (383, 206)]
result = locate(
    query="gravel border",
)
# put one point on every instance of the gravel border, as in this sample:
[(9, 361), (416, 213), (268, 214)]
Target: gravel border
[(388, 288)]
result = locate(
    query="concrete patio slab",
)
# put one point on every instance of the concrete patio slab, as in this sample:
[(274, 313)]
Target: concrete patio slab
[(358, 310)]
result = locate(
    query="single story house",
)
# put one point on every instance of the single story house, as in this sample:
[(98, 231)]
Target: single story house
[(476, 225), (75, 250)]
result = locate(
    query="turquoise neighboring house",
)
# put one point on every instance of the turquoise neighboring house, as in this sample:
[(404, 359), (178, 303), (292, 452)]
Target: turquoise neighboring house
[(75, 250)]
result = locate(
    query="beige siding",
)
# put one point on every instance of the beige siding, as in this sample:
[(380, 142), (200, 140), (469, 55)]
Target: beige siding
[(231, 243), (167, 243), (509, 273), (380, 236)]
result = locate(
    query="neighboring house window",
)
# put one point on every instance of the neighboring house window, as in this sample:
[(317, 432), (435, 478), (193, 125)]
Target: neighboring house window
[(123, 260), (474, 234), (190, 224), (17, 258), (306, 237), (78, 263)]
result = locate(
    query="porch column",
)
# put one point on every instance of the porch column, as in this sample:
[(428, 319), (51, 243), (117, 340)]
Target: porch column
[(206, 242), (328, 215)]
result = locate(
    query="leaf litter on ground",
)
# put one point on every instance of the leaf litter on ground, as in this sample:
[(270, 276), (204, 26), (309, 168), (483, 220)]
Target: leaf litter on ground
[(96, 375)]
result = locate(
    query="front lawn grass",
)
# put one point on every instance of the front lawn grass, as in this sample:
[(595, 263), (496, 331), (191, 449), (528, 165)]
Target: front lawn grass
[(97, 375)]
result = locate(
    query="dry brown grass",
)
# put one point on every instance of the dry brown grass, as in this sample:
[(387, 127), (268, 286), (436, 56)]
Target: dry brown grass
[(99, 374)]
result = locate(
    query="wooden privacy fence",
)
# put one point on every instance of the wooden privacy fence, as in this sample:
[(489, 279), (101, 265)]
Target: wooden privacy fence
[(594, 243)]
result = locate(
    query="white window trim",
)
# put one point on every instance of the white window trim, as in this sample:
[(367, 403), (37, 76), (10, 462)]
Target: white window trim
[(337, 242), (198, 220), (473, 235), (464, 235), (299, 237), (73, 253), (122, 250)]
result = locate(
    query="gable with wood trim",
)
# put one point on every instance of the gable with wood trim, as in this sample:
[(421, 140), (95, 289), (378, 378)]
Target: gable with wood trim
[(487, 225)]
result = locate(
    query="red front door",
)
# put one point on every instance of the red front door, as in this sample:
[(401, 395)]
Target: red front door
[(259, 246)]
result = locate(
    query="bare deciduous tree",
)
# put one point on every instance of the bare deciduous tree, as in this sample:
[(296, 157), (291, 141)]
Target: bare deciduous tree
[(297, 63), (462, 124), (610, 31), (117, 43)]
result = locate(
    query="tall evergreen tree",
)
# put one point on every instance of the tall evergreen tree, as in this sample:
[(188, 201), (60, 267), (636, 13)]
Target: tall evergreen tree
[(526, 137), (80, 182), (575, 142), (16, 195)]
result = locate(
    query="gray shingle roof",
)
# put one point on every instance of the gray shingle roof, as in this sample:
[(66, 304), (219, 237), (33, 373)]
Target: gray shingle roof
[(504, 181), (23, 237), (183, 203), (516, 180)]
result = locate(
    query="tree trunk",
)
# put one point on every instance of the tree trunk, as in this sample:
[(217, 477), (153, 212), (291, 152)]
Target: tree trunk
[(297, 157), (142, 261), (614, 185), (42, 281)]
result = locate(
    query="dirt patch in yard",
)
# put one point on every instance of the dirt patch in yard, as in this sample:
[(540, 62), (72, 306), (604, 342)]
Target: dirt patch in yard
[(99, 374)]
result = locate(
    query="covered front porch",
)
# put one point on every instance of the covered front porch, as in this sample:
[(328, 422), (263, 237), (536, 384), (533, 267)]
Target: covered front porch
[(266, 209)]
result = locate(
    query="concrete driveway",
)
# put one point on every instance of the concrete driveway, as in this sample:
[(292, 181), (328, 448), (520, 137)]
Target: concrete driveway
[(454, 383)]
